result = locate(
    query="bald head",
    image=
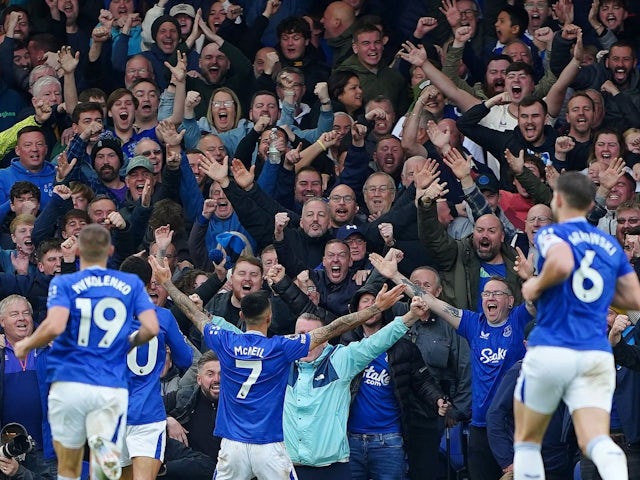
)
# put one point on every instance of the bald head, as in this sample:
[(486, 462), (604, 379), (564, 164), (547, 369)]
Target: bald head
[(409, 169), (338, 17), (488, 236)]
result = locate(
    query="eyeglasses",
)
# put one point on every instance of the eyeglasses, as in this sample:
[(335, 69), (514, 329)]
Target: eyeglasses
[(497, 294), (148, 153), (537, 5), (226, 103), (468, 12), (355, 241), (140, 71), (342, 198), (539, 219), (381, 189)]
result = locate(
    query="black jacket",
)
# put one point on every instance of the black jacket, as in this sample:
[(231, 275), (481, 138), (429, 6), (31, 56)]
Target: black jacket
[(415, 389), (497, 142), (628, 387)]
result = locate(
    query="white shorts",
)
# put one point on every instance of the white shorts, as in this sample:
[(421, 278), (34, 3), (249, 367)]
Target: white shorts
[(78, 411), (581, 378), (146, 440), (243, 461)]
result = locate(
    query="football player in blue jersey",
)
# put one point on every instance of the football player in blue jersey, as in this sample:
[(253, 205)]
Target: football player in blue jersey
[(582, 271), (254, 377), (145, 437), (89, 319)]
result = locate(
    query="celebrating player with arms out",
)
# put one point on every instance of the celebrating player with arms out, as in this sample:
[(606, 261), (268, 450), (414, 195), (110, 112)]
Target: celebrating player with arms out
[(254, 377), (90, 314), (582, 271)]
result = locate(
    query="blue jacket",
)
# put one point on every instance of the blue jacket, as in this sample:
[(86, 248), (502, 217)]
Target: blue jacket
[(44, 180)]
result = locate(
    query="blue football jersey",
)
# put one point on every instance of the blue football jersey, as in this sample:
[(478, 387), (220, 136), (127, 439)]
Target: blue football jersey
[(94, 345), (145, 364), (573, 314), (493, 351), (253, 379)]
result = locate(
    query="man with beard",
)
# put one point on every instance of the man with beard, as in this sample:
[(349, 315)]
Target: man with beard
[(302, 246), (194, 416), (221, 64), (107, 160), (580, 116), (617, 77), (465, 265)]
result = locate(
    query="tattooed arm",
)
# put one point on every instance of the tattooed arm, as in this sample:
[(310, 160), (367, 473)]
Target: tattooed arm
[(384, 300), (162, 274), (388, 267), (449, 313)]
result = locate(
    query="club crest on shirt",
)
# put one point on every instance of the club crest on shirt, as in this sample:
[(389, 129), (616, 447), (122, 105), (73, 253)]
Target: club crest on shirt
[(296, 336), (507, 331)]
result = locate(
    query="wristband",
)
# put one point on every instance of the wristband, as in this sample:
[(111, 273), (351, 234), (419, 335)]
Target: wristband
[(171, 84), (133, 337), (328, 102), (322, 145)]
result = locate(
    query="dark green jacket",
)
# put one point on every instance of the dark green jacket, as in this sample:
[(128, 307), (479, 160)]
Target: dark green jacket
[(459, 266), (386, 81)]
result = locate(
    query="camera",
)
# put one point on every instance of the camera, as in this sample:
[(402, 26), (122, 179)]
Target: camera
[(16, 441)]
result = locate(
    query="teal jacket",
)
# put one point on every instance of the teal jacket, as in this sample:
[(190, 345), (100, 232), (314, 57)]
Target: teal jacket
[(316, 405)]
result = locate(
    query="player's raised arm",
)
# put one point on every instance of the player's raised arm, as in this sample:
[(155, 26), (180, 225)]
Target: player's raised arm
[(149, 328), (163, 275), (384, 300)]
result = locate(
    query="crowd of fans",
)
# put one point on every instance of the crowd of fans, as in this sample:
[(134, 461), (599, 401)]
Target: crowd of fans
[(274, 145)]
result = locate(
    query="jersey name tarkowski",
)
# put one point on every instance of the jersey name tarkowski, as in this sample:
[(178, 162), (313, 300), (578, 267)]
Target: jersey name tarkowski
[(573, 313)]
